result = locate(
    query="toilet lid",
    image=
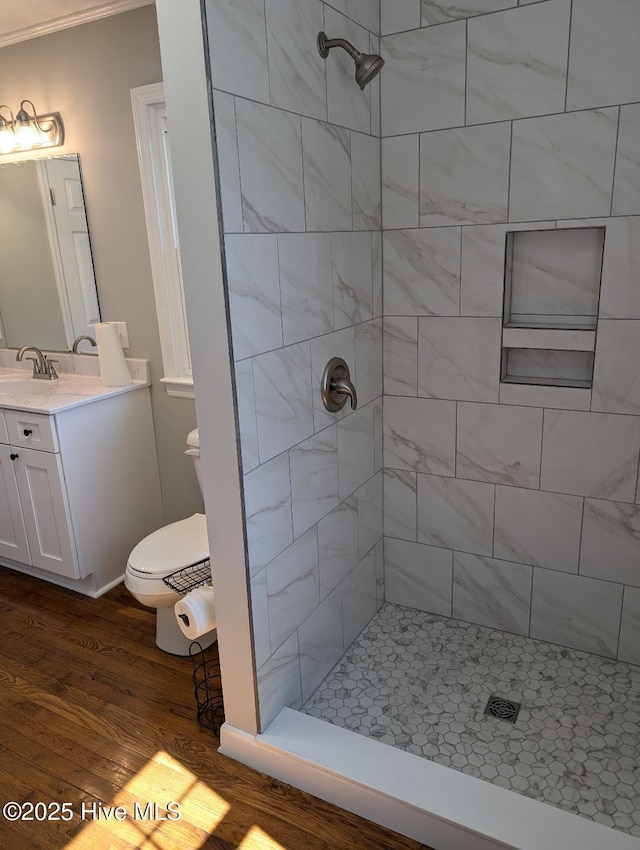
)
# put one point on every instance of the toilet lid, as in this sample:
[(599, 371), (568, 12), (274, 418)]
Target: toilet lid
[(174, 546)]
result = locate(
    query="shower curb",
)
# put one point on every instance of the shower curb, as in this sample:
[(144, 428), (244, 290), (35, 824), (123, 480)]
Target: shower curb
[(425, 801)]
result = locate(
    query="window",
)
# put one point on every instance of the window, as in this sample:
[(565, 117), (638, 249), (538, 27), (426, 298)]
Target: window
[(150, 121)]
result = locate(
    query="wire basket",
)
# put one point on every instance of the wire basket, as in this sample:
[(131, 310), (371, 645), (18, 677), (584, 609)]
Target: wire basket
[(207, 687), (188, 578)]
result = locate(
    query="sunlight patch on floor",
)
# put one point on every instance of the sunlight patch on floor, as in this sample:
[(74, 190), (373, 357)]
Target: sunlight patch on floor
[(256, 839), (149, 821)]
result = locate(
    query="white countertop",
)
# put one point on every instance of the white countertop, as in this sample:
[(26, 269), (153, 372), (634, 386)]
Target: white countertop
[(69, 390)]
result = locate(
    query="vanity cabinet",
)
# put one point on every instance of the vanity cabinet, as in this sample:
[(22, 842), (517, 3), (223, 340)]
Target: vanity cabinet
[(78, 489), (41, 494)]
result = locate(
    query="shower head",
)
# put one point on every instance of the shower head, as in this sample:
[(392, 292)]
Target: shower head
[(368, 65)]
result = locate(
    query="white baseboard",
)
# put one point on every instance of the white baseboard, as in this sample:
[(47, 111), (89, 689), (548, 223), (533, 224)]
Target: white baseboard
[(85, 586), (106, 587)]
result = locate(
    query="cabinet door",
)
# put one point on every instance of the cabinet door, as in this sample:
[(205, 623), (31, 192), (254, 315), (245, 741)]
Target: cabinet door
[(46, 512), (13, 537)]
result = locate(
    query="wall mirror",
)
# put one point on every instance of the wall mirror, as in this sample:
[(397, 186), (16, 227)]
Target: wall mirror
[(48, 292)]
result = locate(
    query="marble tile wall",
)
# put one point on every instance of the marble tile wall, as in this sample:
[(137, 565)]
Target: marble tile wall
[(512, 506), (371, 225), (299, 163)]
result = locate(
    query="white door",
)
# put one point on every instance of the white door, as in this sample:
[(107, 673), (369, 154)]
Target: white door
[(13, 537), (70, 220), (46, 512)]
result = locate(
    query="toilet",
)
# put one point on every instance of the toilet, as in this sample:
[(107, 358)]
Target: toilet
[(162, 552)]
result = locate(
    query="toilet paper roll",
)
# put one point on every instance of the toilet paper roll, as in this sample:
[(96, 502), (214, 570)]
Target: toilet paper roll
[(114, 371), (196, 613)]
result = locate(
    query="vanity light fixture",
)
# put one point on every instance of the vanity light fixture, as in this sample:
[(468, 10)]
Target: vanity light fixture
[(28, 130)]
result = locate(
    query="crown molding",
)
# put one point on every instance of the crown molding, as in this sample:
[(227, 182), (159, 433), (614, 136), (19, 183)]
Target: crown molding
[(94, 13)]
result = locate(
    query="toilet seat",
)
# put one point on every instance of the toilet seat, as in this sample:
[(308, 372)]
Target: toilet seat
[(170, 548), (162, 552)]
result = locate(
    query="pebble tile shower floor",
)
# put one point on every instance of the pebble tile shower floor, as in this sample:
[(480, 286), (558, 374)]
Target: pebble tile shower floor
[(421, 682)]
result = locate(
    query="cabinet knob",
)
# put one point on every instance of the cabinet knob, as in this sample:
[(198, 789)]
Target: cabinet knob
[(27, 432), (13, 456)]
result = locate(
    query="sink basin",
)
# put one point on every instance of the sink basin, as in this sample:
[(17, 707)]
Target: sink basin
[(21, 388)]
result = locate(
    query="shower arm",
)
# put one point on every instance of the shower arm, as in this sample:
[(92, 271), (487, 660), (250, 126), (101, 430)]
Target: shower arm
[(325, 44)]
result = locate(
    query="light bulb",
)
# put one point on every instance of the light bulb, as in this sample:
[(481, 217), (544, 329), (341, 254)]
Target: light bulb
[(26, 134), (7, 140), (7, 137)]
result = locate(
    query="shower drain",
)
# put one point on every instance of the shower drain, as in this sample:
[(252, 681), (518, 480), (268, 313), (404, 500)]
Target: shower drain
[(502, 708)]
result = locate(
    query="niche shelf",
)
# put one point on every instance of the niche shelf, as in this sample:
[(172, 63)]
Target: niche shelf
[(551, 296), (550, 367)]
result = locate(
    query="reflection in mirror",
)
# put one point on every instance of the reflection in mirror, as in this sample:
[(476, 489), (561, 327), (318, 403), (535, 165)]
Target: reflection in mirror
[(47, 285)]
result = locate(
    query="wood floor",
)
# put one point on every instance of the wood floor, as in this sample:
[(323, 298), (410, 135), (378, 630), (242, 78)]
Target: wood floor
[(93, 714)]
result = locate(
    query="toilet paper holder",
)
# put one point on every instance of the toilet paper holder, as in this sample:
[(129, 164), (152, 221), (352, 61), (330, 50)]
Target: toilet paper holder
[(207, 685)]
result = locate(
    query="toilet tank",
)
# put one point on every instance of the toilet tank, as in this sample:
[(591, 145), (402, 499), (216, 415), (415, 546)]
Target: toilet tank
[(193, 450)]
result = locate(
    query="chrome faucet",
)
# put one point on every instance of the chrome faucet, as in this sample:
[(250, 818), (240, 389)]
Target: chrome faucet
[(42, 366), (78, 340)]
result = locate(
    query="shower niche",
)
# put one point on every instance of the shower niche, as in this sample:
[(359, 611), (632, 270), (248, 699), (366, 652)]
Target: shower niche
[(551, 296)]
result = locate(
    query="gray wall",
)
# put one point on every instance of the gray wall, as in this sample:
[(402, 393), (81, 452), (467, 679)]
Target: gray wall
[(514, 506), (86, 74), (299, 155)]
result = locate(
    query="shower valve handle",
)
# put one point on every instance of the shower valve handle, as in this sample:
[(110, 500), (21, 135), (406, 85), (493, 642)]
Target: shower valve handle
[(343, 386), (336, 386)]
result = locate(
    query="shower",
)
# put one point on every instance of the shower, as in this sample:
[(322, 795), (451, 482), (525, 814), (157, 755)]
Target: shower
[(368, 65)]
